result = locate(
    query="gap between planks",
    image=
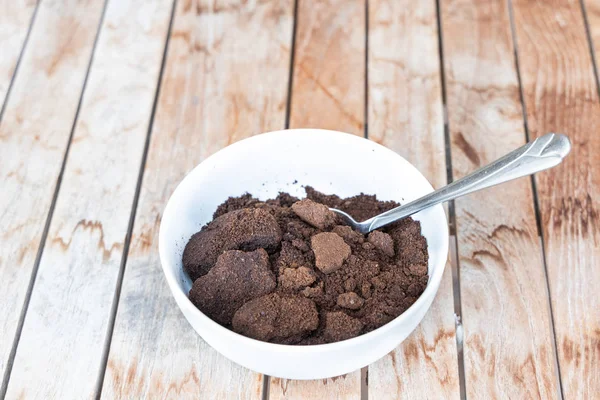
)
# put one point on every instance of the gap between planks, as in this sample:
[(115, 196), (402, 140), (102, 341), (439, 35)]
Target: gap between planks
[(266, 386), (136, 198), (454, 260), (288, 104)]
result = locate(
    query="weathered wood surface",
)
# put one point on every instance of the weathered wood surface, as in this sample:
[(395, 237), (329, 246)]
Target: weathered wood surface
[(560, 95), (225, 79), (15, 19), (34, 133), (328, 91), (406, 114), (61, 348), (508, 348)]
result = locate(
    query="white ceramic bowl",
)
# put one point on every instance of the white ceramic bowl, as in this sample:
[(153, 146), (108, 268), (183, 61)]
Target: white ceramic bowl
[(264, 165)]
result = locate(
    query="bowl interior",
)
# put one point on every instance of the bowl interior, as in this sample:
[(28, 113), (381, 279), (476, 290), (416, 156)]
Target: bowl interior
[(264, 165)]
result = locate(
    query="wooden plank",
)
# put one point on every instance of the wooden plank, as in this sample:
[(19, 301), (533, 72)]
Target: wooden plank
[(63, 337), (225, 79), (406, 115), (15, 19), (328, 92), (329, 67), (561, 95), (508, 346), (34, 133)]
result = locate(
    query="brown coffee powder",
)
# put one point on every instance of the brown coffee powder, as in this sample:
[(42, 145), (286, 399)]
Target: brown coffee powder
[(317, 280)]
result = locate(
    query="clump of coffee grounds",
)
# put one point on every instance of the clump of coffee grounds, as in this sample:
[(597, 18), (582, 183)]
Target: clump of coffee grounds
[(289, 271)]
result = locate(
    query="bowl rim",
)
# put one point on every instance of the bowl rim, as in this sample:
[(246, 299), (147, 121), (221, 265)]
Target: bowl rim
[(183, 300)]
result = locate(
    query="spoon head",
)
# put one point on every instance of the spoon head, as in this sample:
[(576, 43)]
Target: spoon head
[(358, 226)]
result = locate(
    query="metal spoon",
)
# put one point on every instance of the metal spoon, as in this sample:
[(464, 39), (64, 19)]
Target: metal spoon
[(544, 152)]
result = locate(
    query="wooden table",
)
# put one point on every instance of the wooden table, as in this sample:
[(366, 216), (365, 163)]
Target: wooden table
[(106, 105)]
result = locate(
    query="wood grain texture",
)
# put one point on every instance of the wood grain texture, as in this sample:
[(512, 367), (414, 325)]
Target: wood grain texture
[(15, 18), (406, 115), (34, 133), (225, 79), (64, 332), (561, 95), (508, 347), (329, 67)]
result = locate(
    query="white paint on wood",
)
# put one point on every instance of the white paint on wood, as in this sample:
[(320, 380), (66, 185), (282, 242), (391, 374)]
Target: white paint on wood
[(508, 349), (34, 133), (15, 18), (405, 114), (225, 79), (61, 346)]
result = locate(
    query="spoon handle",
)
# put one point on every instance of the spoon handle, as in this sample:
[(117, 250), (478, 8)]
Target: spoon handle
[(544, 152)]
